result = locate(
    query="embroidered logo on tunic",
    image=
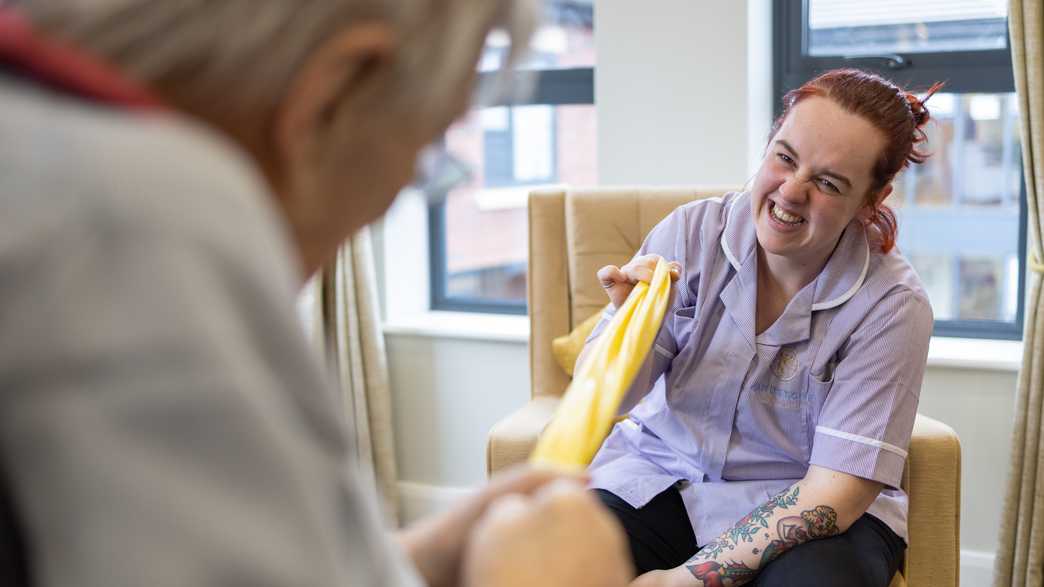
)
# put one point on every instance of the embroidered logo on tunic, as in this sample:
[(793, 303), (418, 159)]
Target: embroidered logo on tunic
[(785, 366)]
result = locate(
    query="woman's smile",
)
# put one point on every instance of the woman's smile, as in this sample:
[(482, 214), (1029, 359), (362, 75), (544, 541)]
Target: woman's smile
[(783, 220)]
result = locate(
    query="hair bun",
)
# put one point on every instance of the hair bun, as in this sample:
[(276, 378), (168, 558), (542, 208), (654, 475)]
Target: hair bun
[(920, 112)]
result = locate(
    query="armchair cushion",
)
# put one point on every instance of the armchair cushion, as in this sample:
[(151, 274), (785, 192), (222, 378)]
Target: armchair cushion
[(566, 349)]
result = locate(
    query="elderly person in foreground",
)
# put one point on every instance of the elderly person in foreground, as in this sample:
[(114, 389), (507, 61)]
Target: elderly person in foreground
[(170, 172)]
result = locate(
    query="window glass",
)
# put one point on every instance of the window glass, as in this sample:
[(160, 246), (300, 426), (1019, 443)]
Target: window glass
[(545, 138), (959, 212), (859, 27), (512, 150), (565, 40)]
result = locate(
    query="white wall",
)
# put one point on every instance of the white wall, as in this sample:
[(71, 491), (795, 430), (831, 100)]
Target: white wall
[(671, 92), (683, 97), (447, 394), (979, 406)]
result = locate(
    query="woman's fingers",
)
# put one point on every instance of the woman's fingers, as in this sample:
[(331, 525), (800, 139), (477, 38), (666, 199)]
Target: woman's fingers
[(619, 281), (616, 284), (642, 268), (611, 275)]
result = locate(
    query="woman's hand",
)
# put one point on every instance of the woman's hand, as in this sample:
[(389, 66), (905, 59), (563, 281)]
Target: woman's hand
[(619, 281)]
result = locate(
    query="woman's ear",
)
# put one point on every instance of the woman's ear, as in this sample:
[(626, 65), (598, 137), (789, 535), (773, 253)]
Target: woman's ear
[(344, 65)]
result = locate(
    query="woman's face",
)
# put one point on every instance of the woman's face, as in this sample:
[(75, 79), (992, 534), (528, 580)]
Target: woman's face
[(814, 179)]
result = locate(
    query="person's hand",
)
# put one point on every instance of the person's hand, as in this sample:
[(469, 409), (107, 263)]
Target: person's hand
[(676, 577), (436, 545), (560, 536), (523, 479), (619, 281)]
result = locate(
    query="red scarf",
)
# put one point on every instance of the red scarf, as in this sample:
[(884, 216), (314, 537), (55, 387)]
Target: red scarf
[(57, 65)]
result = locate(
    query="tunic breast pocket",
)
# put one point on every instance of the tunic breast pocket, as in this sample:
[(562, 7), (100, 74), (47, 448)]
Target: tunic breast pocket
[(818, 390), (684, 322)]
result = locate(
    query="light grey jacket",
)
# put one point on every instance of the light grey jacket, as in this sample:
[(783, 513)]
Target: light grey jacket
[(163, 421)]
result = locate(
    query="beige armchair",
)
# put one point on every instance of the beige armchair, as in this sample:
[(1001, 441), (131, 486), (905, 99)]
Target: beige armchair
[(572, 234)]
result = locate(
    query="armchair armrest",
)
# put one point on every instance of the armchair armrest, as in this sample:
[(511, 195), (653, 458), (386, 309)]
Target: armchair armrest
[(513, 438), (933, 482)]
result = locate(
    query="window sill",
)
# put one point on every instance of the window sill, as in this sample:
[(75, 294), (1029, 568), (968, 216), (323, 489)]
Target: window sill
[(975, 353), (944, 352), (461, 325)]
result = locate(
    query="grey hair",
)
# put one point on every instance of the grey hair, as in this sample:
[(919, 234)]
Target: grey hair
[(235, 58)]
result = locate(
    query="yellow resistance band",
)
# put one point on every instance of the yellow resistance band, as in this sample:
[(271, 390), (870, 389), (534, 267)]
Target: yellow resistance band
[(591, 402)]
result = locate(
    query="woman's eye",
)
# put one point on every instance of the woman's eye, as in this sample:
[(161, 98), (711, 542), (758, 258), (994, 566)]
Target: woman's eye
[(785, 158), (828, 186)]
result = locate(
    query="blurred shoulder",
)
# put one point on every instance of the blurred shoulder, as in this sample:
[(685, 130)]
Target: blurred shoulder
[(72, 168)]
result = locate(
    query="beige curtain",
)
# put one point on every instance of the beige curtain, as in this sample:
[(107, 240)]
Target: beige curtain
[(1021, 551), (349, 322)]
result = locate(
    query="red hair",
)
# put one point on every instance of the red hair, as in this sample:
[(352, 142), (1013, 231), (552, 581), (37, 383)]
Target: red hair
[(898, 114)]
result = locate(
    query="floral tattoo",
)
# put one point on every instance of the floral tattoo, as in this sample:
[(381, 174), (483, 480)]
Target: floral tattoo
[(791, 530), (748, 527), (820, 522), (715, 574)]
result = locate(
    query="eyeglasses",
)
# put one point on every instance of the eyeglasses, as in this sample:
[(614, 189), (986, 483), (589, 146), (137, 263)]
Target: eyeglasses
[(439, 172)]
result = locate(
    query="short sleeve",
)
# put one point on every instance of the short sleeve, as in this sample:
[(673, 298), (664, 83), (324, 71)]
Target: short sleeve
[(865, 422)]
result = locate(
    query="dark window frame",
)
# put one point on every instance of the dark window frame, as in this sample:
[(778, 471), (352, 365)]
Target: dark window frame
[(986, 71), (552, 87)]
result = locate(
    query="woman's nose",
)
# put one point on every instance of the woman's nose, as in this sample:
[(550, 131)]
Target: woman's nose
[(794, 190)]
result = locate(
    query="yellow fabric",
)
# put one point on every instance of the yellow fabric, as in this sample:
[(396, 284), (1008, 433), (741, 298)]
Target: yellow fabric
[(592, 400), (567, 348)]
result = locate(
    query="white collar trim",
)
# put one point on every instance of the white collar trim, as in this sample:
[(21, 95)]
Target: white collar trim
[(724, 233), (855, 286)]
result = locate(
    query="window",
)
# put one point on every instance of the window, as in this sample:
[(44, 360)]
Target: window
[(962, 214), (479, 232)]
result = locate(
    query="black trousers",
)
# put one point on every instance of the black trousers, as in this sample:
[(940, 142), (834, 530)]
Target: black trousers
[(660, 535)]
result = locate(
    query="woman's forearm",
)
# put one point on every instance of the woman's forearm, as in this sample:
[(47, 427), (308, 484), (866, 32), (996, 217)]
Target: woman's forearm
[(823, 504), (783, 522)]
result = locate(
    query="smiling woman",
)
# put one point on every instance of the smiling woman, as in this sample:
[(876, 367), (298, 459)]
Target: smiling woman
[(771, 438)]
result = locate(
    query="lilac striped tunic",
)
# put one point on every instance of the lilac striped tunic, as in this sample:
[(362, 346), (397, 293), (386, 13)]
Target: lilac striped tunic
[(730, 417)]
